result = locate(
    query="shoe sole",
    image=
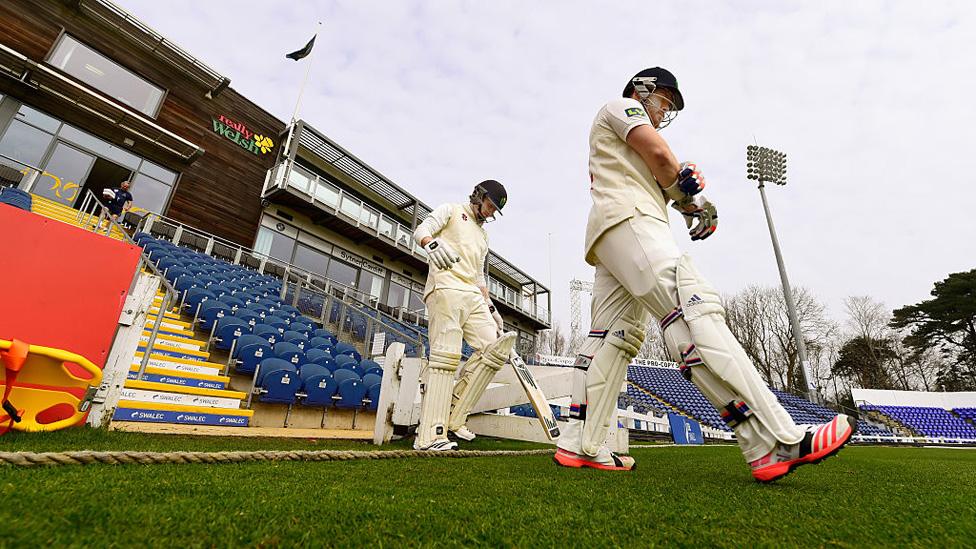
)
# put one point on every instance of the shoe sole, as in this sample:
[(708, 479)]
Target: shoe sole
[(566, 461), (811, 460)]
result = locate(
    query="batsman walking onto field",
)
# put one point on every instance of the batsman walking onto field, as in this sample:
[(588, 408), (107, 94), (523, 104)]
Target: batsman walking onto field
[(458, 306), (641, 272)]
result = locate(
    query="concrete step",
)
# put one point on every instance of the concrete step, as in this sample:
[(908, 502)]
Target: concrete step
[(149, 391), (179, 364), (161, 412), (156, 374), (172, 341)]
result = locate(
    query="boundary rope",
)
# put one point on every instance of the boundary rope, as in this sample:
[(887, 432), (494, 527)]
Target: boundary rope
[(89, 457)]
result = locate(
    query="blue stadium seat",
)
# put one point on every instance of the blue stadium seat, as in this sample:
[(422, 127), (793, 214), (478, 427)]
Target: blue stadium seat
[(210, 312), (318, 385), (314, 355), (373, 395), (344, 361), (322, 332), (196, 296), (250, 351), (342, 374), (303, 329), (15, 197), (343, 348), (250, 317), (351, 394), (278, 380), (270, 333), (229, 328), (321, 343), (297, 338), (289, 352)]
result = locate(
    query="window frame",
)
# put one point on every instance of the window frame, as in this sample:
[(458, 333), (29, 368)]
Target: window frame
[(57, 41)]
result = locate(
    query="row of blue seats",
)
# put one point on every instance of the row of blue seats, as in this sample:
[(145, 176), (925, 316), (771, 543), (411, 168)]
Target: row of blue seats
[(279, 381), (250, 349), (12, 196)]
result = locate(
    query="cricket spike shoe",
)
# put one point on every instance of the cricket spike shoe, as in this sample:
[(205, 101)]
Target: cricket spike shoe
[(464, 433), (605, 459), (439, 445), (819, 443)]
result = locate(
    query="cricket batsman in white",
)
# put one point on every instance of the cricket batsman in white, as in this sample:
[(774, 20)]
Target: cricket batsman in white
[(641, 272), (458, 306)]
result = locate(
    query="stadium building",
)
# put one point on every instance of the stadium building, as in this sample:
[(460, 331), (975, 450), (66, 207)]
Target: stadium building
[(91, 97)]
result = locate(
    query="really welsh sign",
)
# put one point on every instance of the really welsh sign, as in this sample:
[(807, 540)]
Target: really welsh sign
[(238, 133)]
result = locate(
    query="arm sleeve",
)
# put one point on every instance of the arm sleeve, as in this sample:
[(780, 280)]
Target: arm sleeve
[(625, 114), (434, 223)]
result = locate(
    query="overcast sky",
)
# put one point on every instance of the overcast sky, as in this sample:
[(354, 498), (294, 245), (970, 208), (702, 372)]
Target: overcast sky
[(873, 102)]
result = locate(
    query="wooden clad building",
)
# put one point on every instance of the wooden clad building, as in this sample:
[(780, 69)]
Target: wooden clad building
[(118, 101)]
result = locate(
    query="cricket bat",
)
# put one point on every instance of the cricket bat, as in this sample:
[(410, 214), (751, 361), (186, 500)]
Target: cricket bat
[(536, 397)]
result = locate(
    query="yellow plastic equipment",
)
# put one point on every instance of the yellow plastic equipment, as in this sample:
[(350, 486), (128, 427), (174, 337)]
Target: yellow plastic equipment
[(44, 389)]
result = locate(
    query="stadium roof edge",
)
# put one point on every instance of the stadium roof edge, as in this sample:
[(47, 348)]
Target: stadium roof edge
[(399, 196), (113, 16)]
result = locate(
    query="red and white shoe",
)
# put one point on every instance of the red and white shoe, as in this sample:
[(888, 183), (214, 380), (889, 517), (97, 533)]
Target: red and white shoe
[(605, 459), (819, 443)]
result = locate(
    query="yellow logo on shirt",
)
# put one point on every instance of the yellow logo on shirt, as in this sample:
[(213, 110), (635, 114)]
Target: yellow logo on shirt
[(634, 111)]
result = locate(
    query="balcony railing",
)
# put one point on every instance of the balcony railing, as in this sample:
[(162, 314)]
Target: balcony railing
[(333, 199)]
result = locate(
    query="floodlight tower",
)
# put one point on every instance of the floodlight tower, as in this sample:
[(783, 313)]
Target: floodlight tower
[(766, 165)]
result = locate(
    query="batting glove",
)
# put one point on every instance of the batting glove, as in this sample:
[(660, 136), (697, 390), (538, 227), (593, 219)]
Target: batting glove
[(700, 215), (689, 182), (499, 321), (441, 254)]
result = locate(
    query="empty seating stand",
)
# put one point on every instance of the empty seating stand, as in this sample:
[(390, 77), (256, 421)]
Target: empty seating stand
[(659, 388), (290, 358), (930, 422)]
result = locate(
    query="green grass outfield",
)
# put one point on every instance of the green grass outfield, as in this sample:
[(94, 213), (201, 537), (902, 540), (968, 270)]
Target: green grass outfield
[(865, 496)]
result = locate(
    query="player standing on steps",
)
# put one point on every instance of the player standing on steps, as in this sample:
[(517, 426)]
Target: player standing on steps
[(640, 271), (458, 306)]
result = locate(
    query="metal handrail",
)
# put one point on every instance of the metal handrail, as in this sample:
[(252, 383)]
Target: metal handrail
[(300, 287), (170, 296)]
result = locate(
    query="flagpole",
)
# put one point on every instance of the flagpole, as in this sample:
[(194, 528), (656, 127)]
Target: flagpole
[(290, 161), (308, 69)]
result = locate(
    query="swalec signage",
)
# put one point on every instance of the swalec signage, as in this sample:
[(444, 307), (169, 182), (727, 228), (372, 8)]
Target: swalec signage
[(238, 133)]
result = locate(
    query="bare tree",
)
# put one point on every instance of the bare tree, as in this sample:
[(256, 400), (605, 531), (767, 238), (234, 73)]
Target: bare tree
[(552, 341), (905, 368), (758, 318), (654, 347)]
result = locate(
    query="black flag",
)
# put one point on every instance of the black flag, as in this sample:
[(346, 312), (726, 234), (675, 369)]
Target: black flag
[(302, 53)]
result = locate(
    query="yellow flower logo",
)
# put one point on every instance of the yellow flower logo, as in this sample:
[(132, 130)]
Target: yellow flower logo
[(265, 143)]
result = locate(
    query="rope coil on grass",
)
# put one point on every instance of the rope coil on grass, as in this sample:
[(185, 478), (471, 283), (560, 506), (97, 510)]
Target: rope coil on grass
[(89, 457)]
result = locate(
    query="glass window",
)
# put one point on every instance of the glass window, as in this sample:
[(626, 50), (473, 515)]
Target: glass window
[(99, 147), (274, 244), (310, 259), (37, 118), (64, 174), (158, 172), (417, 302), (25, 143), (387, 228), (370, 283), (343, 273), (368, 216), (398, 295), (106, 75), (350, 206), (327, 193), (149, 194)]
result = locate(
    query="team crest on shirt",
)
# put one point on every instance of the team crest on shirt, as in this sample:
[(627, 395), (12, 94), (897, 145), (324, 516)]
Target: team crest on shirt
[(635, 112), (464, 216)]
